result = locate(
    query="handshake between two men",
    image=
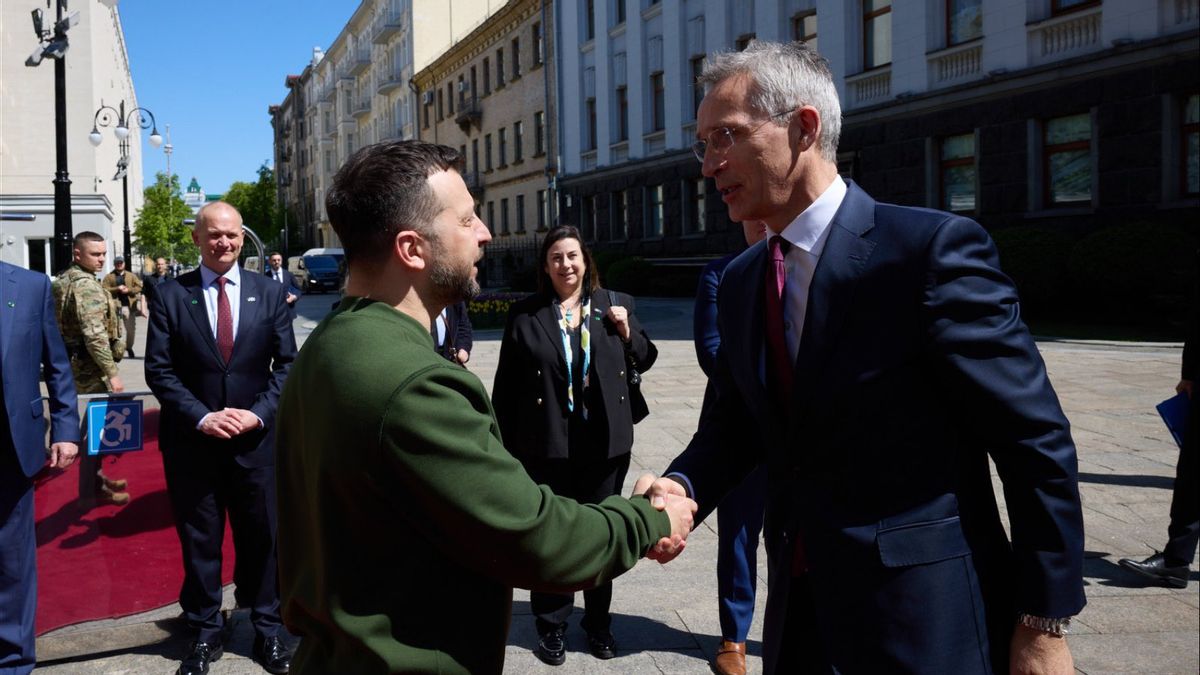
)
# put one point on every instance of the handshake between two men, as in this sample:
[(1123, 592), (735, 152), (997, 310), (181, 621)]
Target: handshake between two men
[(668, 495)]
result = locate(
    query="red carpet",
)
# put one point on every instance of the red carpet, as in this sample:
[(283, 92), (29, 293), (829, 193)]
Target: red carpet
[(109, 561)]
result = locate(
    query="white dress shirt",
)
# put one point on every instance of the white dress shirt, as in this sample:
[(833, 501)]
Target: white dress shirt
[(233, 290), (807, 234)]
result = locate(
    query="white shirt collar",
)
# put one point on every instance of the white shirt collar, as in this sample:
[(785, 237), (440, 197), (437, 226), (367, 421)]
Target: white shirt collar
[(805, 232), (209, 277)]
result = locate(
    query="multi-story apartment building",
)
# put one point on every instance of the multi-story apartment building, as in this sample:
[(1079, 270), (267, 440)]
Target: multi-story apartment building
[(358, 92), (97, 73), (491, 95), (1066, 113)]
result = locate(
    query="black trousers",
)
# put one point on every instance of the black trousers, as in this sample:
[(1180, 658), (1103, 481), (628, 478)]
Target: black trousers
[(587, 481), (1183, 534), (204, 486)]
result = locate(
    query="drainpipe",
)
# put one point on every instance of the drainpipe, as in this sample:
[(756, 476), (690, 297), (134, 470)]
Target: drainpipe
[(552, 167)]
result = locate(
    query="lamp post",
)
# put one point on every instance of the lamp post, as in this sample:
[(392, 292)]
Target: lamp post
[(106, 116)]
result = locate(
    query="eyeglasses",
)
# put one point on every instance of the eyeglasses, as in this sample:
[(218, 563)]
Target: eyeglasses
[(721, 139)]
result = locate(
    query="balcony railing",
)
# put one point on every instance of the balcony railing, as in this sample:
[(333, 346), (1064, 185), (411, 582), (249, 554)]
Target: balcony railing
[(469, 112), (390, 81), (873, 86), (955, 64), (1065, 36), (474, 181), (389, 25), (362, 107), (360, 61), (1180, 13)]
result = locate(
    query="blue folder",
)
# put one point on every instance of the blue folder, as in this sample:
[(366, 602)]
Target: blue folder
[(1174, 412)]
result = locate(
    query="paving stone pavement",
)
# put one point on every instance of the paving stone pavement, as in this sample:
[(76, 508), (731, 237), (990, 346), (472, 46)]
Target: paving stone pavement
[(665, 617)]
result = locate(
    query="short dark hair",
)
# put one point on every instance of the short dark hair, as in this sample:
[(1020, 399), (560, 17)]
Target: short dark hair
[(383, 190), (275, 253), (591, 275), (86, 235)]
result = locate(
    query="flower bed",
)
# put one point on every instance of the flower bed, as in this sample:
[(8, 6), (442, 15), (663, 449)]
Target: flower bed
[(490, 309)]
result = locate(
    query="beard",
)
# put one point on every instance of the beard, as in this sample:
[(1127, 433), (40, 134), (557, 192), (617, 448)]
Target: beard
[(451, 284)]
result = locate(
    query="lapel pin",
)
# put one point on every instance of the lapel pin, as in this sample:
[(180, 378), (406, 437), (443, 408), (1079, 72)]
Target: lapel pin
[(11, 303), (251, 299), (195, 302)]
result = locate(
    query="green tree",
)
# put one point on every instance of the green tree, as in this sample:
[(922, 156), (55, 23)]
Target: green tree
[(257, 203), (159, 230)]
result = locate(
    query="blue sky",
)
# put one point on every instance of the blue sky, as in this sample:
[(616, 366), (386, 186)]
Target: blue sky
[(210, 69)]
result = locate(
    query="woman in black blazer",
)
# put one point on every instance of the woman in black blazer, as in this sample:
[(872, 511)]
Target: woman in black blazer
[(561, 396)]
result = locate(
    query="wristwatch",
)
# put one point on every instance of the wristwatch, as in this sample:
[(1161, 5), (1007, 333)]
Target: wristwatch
[(1055, 627)]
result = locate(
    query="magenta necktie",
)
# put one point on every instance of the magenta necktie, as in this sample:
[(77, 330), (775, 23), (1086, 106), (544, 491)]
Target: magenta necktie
[(224, 321), (779, 361)]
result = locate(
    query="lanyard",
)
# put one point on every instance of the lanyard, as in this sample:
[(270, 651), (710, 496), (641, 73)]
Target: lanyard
[(585, 340)]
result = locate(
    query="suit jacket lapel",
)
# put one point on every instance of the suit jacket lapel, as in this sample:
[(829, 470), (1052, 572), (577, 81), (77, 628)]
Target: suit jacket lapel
[(549, 323), (832, 290), (8, 314), (251, 298), (198, 310)]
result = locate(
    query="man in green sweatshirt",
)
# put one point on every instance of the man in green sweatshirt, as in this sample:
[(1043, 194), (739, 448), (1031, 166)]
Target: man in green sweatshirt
[(404, 524)]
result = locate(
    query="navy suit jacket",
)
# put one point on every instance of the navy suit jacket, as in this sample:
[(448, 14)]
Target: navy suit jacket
[(914, 367), (185, 370), (29, 338)]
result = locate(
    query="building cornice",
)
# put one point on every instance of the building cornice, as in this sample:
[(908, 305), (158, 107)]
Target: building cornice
[(498, 26)]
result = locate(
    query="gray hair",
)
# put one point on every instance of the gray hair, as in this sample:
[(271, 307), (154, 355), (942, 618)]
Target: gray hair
[(783, 77)]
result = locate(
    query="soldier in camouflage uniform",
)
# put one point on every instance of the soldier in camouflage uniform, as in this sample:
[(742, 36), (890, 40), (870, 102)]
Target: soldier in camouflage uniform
[(126, 289), (91, 328)]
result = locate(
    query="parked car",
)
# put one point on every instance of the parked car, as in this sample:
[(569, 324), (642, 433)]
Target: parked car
[(295, 265), (324, 273)]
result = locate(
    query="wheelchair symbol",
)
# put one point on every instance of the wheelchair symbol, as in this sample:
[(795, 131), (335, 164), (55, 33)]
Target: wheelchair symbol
[(116, 430)]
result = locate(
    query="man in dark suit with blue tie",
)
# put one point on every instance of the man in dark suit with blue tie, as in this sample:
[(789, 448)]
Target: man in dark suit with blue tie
[(29, 339), (218, 349), (879, 351)]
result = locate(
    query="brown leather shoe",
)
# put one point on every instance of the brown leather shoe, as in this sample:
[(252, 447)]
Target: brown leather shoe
[(114, 484), (106, 496), (731, 658)]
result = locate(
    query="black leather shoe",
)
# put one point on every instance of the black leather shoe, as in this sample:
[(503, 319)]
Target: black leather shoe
[(1156, 567), (272, 655), (552, 647), (602, 645), (200, 654)]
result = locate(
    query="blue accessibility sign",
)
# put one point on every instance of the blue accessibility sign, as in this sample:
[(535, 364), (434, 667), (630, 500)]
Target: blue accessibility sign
[(114, 425)]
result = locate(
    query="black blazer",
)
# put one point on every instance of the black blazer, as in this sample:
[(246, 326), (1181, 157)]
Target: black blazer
[(530, 390), (459, 334), (186, 372)]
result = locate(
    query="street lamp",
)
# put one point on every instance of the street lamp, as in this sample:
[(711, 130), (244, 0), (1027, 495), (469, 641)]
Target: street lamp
[(106, 116)]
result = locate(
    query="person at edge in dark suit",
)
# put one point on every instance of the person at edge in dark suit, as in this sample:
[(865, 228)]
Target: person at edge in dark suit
[(561, 396), (277, 272), (29, 338), (1172, 565), (404, 523), (879, 350), (218, 349), (453, 337), (740, 515)]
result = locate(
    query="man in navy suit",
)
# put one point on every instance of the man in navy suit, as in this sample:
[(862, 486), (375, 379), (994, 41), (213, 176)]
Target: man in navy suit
[(279, 273), (219, 346), (879, 351), (29, 338)]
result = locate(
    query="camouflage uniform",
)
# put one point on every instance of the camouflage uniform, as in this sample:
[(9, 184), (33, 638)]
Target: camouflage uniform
[(90, 322), (127, 303)]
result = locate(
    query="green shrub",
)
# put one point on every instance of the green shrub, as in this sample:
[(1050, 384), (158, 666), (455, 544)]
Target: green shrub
[(604, 261), (1136, 268), (490, 310), (1036, 260)]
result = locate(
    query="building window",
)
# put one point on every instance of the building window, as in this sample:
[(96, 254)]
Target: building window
[(487, 77), (427, 107), (539, 133), (957, 171), (622, 99), (1191, 146), (587, 217), (539, 45), (697, 88), (504, 216), (543, 215), (475, 154), (619, 214), (590, 120), (441, 112), (450, 97), (462, 90), (1068, 160), (520, 214), (516, 58), (589, 20), (474, 84), (743, 41), (500, 68), (328, 160), (518, 141), (502, 136), (654, 211), (695, 217), (804, 28), (619, 12), (877, 33), (491, 219), (658, 95), (1066, 6), (487, 151), (964, 21)]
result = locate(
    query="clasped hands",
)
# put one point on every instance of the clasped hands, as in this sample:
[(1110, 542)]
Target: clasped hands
[(229, 422), (668, 495)]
